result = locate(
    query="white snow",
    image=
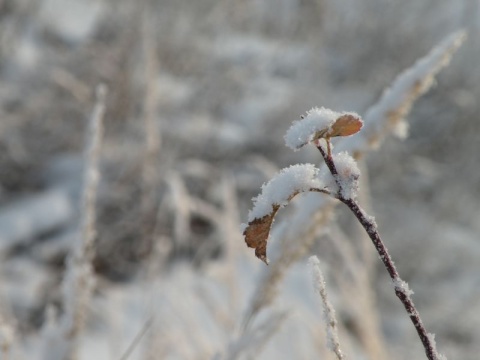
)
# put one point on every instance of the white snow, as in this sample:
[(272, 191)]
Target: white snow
[(291, 180), (436, 354), (348, 174), (304, 131), (402, 286)]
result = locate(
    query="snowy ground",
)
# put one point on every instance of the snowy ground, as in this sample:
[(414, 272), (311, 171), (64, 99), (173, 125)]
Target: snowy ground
[(201, 94)]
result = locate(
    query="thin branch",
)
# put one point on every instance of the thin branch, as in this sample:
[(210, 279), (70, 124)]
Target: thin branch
[(327, 156), (401, 288)]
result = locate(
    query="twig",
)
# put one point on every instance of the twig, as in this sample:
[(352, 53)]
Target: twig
[(401, 288), (136, 339)]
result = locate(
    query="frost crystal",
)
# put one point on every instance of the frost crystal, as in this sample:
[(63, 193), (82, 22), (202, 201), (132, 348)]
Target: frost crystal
[(436, 354), (402, 286), (304, 131), (348, 174), (289, 181)]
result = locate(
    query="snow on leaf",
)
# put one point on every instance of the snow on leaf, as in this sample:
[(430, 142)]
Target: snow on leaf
[(278, 192), (321, 123)]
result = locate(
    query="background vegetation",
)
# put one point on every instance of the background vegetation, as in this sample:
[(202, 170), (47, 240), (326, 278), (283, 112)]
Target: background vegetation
[(200, 96)]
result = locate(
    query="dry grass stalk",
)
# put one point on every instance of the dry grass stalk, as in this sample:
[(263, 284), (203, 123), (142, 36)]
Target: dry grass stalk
[(150, 105), (333, 343), (388, 114), (78, 282), (79, 265), (84, 248), (289, 253), (365, 320)]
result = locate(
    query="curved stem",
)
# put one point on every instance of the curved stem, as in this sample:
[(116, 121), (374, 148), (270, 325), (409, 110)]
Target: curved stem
[(401, 288)]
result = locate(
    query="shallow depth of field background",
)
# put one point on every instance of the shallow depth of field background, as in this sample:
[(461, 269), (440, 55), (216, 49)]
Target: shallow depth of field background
[(223, 80)]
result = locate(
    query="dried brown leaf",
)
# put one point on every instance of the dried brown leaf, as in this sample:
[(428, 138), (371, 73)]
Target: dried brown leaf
[(345, 125), (257, 232)]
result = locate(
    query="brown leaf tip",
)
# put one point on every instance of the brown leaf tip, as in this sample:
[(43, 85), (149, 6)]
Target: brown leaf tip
[(262, 257), (257, 233), (346, 125)]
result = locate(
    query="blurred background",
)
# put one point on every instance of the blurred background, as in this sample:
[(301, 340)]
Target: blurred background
[(200, 96)]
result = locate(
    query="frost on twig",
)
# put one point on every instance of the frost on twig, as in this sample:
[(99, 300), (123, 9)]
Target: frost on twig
[(402, 286), (347, 175), (333, 343), (436, 354)]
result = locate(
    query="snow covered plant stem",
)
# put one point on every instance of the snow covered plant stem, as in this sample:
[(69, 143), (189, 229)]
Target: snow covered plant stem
[(341, 181), (401, 288)]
